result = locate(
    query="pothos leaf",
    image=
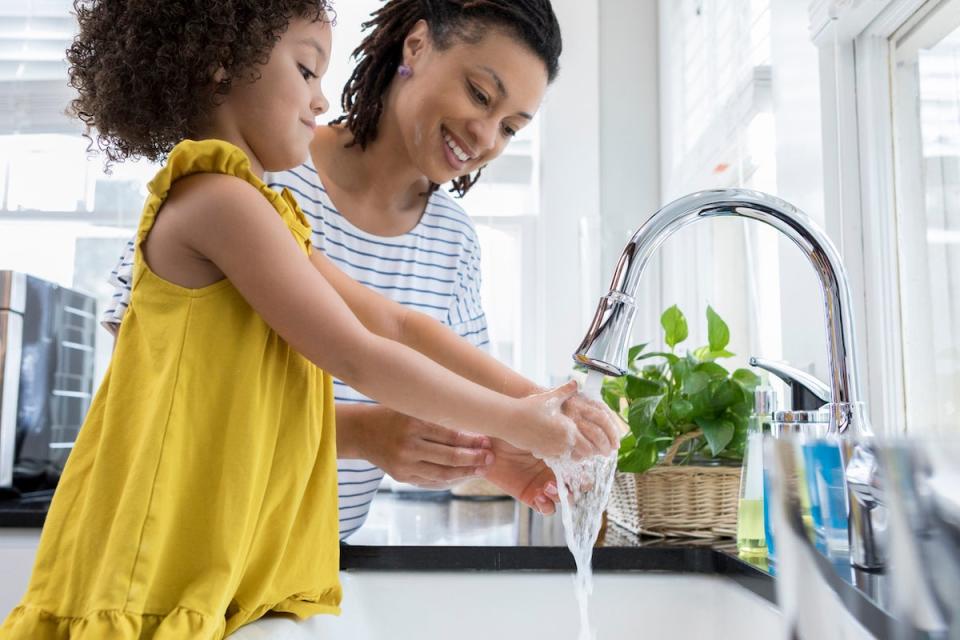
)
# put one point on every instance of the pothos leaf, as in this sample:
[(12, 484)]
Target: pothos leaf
[(674, 325), (717, 331), (632, 354), (641, 457), (718, 432)]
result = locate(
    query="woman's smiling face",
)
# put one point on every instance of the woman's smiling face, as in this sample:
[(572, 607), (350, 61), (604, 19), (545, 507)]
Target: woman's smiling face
[(463, 104)]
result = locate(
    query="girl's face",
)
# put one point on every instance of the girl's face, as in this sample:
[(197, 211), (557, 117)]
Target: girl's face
[(461, 107), (274, 115)]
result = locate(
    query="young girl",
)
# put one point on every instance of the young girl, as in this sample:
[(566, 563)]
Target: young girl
[(201, 491), (370, 195)]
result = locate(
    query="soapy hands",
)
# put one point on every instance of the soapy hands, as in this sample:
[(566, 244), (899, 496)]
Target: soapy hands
[(562, 422), (594, 419)]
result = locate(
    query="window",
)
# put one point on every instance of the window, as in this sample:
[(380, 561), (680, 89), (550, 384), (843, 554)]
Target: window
[(925, 72), (61, 217), (719, 132)]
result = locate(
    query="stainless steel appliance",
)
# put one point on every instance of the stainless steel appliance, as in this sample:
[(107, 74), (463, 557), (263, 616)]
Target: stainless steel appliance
[(47, 335)]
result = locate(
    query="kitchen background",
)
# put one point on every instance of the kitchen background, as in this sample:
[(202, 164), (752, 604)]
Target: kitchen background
[(849, 109)]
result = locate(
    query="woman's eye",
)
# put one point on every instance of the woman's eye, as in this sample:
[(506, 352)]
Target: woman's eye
[(306, 73), (509, 131), (479, 96)]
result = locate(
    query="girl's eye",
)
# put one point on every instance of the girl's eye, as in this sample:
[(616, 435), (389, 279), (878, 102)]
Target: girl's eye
[(306, 73), (479, 96), (509, 131)]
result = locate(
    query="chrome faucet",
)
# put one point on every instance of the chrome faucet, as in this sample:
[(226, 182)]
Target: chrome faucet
[(604, 347)]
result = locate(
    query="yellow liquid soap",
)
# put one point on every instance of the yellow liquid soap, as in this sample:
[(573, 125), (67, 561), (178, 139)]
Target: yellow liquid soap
[(750, 536)]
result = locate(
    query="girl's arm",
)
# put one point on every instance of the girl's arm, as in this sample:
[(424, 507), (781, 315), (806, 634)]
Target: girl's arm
[(419, 331), (442, 345), (212, 220)]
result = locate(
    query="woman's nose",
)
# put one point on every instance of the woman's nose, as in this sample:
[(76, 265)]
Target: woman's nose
[(484, 133), (319, 105)]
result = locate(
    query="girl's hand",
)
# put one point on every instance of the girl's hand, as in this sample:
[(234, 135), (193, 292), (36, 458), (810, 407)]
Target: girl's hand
[(550, 429), (601, 427)]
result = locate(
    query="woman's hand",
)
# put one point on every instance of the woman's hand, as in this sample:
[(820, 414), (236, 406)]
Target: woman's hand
[(559, 423), (523, 477), (411, 450)]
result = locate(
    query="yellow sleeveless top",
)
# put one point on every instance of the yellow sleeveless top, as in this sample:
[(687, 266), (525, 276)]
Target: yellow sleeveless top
[(202, 490)]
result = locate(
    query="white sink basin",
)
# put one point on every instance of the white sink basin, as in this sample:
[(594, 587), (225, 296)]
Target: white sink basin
[(513, 606)]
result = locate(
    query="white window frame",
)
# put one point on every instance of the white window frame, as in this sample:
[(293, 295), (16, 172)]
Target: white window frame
[(860, 199)]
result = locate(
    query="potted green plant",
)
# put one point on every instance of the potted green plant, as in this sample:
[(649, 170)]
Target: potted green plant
[(688, 416)]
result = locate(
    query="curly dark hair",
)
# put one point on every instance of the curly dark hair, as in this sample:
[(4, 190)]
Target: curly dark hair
[(531, 22), (144, 69)]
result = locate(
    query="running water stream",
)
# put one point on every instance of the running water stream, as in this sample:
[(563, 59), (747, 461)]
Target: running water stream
[(584, 487)]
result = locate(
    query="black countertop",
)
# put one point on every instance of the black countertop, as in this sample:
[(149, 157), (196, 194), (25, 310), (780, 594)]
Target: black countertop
[(423, 531)]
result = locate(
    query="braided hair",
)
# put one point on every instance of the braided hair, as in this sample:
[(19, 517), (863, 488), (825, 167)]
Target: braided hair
[(531, 22)]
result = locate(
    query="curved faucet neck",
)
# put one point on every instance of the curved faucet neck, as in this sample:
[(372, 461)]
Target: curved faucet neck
[(740, 203)]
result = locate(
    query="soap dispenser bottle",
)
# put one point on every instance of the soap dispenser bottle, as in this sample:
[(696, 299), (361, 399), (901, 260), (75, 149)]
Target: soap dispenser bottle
[(751, 538)]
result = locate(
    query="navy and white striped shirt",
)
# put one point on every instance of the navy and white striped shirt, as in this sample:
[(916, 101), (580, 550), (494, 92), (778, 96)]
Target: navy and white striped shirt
[(434, 268)]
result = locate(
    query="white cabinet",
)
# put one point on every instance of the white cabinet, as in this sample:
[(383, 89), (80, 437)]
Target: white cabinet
[(17, 550)]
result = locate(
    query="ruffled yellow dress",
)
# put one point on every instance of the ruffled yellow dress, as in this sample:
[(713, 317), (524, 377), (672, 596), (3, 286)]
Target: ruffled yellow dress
[(202, 490)]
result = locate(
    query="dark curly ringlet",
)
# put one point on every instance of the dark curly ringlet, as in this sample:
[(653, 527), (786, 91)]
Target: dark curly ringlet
[(532, 22), (144, 69)]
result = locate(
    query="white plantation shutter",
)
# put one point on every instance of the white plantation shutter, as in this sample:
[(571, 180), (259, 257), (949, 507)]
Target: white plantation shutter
[(716, 78), (717, 131), (34, 93)]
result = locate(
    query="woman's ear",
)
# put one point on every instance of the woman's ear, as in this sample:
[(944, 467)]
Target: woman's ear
[(416, 42), (220, 75)]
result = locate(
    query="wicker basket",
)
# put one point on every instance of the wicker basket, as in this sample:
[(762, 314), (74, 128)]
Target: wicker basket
[(677, 501)]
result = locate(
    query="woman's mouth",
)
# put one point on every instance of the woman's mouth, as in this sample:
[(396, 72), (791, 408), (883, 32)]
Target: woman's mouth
[(456, 156)]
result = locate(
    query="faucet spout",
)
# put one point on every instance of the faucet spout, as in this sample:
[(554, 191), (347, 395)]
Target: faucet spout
[(603, 347)]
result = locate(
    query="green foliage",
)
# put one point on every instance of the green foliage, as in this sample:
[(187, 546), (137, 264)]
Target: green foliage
[(666, 395)]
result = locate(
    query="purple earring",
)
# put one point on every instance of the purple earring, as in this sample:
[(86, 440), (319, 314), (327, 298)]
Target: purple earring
[(404, 71)]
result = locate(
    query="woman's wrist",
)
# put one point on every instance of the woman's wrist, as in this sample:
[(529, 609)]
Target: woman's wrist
[(354, 423)]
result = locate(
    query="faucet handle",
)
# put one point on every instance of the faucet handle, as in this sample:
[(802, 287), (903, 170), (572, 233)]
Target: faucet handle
[(808, 392)]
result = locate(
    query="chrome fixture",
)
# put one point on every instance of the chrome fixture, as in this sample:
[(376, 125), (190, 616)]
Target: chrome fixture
[(604, 347), (807, 393)]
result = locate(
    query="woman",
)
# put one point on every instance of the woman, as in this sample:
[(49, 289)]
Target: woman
[(440, 88)]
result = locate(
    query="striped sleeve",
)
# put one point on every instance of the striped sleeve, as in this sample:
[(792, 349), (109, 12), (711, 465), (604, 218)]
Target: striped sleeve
[(120, 279), (466, 313)]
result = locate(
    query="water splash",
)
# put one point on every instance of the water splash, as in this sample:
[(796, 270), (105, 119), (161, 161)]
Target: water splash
[(584, 487)]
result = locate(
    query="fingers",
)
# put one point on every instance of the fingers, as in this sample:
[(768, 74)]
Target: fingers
[(544, 505), (425, 483), (595, 422), (604, 420), (434, 476), (566, 391), (451, 456), (547, 498), (442, 435)]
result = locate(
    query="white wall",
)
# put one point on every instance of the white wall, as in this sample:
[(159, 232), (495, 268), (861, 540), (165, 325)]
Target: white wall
[(570, 182), (630, 141), (796, 108), (600, 163)]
